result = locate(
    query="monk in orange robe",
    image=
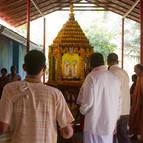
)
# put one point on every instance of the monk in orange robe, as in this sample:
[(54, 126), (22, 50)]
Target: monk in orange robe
[(136, 114)]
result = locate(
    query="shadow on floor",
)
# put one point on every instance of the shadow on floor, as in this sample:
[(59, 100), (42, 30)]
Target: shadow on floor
[(77, 138)]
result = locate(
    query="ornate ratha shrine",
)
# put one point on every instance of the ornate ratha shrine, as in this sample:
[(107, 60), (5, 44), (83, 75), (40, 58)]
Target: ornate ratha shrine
[(68, 55), (68, 60)]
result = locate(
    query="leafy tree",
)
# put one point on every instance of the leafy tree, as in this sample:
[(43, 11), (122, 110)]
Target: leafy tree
[(132, 38), (100, 39)]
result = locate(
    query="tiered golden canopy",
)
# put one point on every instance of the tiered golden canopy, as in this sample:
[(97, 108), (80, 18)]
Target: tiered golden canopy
[(68, 55)]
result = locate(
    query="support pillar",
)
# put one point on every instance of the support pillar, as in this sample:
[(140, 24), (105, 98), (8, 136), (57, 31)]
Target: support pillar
[(44, 35), (44, 42), (122, 53), (141, 29), (28, 25)]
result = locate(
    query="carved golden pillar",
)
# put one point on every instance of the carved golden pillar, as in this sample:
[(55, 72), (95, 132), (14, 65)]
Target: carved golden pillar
[(82, 62), (59, 64), (50, 63)]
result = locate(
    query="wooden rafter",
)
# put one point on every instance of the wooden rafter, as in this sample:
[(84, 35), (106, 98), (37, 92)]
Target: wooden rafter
[(14, 11)]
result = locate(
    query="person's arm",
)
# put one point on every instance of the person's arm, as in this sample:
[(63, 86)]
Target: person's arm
[(85, 97), (67, 132), (64, 117), (6, 109)]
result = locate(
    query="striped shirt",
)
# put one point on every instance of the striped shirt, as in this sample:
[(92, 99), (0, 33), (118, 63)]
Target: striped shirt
[(33, 110)]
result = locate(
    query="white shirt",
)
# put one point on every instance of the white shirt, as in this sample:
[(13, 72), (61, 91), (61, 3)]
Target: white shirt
[(100, 101), (125, 90)]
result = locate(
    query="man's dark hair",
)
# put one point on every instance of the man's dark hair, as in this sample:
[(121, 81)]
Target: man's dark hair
[(112, 57), (13, 68), (34, 62), (139, 66), (134, 77), (96, 59), (3, 70)]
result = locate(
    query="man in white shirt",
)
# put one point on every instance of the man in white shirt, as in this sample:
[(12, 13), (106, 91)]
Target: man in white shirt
[(122, 132), (99, 103)]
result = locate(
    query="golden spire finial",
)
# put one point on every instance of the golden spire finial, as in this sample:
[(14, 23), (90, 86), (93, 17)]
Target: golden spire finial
[(71, 10), (71, 6)]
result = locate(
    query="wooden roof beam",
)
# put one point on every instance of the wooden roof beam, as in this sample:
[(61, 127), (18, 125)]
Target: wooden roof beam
[(23, 17), (23, 7), (123, 12), (85, 9), (11, 5), (131, 3), (95, 2), (43, 9), (33, 11), (37, 8), (120, 4), (18, 9), (131, 9), (32, 18), (130, 17), (119, 8)]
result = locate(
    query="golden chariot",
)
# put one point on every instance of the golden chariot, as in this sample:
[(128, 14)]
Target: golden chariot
[(68, 61)]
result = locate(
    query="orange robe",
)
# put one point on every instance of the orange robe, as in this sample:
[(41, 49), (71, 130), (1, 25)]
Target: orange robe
[(136, 113)]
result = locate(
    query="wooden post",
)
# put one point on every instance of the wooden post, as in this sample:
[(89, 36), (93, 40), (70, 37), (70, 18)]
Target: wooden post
[(28, 25), (141, 29), (44, 42), (122, 59)]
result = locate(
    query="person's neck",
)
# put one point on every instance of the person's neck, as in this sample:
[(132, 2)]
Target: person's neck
[(113, 64), (13, 73), (3, 76), (33, 78)]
